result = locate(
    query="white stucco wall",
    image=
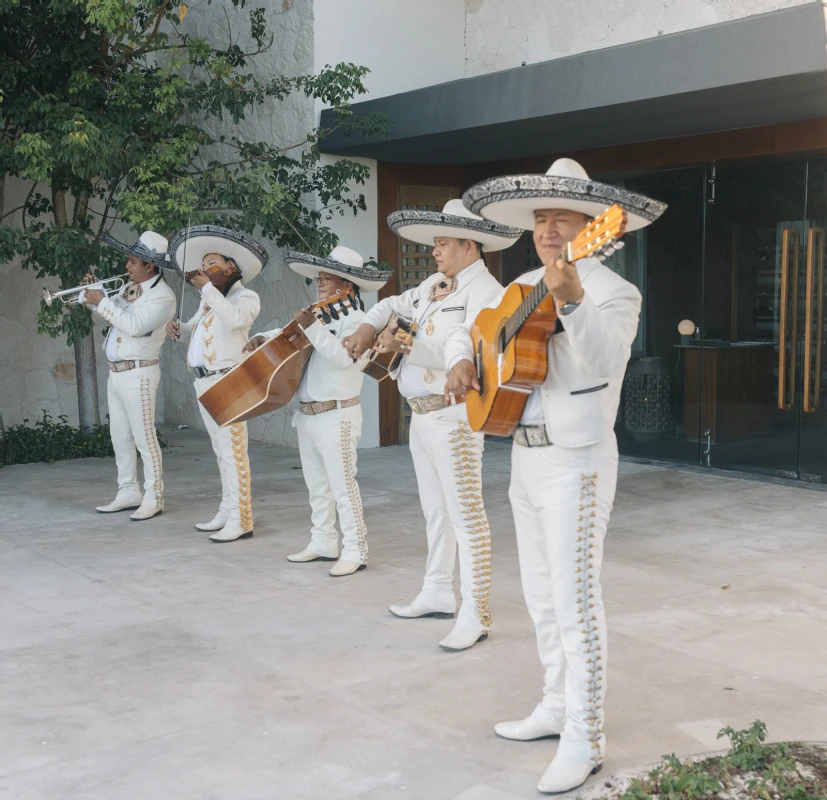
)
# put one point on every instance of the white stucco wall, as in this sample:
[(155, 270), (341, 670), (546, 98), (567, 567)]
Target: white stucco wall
[(406, 45), (501, 34)]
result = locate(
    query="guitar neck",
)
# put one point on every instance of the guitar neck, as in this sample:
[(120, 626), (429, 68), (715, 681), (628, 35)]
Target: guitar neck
[(525, 310)]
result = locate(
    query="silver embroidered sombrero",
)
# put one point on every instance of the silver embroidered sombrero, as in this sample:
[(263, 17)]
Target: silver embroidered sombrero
[(190, 245), (342, 261), (454, 221), (151, 248), (513, 199)]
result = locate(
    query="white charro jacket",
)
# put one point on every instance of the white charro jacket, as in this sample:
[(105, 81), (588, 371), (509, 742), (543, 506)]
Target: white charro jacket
[(141, 323), (586, 361), (477, 289), (224, 324), (331, 373)]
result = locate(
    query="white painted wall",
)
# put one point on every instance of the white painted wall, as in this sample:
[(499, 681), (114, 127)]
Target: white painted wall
[(407, 44), (501, 34)]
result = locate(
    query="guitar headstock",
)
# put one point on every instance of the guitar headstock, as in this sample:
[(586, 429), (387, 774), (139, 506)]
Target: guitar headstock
[(342, 302), (600, 237)]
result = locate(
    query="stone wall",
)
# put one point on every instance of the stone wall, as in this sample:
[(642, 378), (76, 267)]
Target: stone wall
[(281, 291), (36, 372), (500, 34)]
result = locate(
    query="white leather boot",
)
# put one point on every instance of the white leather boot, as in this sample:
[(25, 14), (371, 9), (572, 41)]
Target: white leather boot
[(308, 555), (343, 567), (462, 638), (563, 775), (540, 724), (147, 510), (424, 605), (122, 502), (230, 533), (215, 524)]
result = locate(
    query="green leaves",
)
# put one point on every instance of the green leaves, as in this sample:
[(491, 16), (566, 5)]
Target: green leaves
[(118, 113)]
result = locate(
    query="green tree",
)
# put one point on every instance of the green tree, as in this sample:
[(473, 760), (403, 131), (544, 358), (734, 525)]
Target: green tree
[(109, 109)]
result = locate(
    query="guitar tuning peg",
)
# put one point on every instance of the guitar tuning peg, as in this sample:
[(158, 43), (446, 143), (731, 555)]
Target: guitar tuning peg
[(325, 317), (619, 244), (333, 312), (343, 307)]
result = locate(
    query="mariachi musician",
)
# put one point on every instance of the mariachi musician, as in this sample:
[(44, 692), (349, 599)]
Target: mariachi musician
[(329, 421), (137, 316), (564, 457), (219, 263), (446, 453)]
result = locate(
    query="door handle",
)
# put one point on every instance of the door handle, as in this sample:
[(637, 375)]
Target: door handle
[(786, 367), (815, 257)]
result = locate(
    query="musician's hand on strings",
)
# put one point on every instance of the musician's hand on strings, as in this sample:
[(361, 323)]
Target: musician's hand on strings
[(199, 279), (361, 340), (88, 278), (92, 297), (386, 342), (173, 330), (563, 282), (461, 379), (254, 344), (305, 317)]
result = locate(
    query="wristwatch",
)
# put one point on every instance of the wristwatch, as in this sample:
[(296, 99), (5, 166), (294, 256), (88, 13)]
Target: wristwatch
[(566, 308)]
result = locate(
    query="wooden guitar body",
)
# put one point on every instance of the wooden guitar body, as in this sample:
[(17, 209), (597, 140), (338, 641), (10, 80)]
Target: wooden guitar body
[(268, 378), (508, 373), (263, 382), (379, 365)]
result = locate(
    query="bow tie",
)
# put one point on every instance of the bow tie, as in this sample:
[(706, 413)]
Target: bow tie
[(133, 292), (442, 289)]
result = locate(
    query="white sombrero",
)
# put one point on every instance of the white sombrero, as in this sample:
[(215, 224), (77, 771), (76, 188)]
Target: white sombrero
[(342, 261), (454, 221), (189, 246), (151, 247), (513, 199)]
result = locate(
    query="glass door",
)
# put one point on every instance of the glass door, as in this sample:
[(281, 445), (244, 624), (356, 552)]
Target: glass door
[(757, 315), (813, 416)]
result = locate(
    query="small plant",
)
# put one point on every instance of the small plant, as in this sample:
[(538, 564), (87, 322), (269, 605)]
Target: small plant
[(751, 769), (53, 440)]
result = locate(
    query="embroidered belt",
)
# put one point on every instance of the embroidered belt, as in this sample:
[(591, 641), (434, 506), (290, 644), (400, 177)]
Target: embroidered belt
[(433, 402), (124, 366), (327, 405), (531, 436), (200, 372)]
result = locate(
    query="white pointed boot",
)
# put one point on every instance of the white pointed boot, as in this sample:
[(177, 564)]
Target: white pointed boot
[(147, 510), (215, 524), (462, 638), (342, 568), (424, 605), (540, 724), (308, 555), (123, 501), (563, 775), (230, 533)]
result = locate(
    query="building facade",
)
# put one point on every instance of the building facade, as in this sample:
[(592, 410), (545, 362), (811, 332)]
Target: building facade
[(718, 107)]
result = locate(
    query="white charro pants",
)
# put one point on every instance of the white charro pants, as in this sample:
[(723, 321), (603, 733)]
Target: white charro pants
[(327, 447), (131, 398), (447, 456), (230, 447), (562, 499)]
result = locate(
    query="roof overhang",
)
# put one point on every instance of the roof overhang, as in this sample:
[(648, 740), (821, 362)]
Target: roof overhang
[(761, 70)]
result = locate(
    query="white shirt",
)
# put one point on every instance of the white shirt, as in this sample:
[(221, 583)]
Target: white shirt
[(411, 380), (112, 339), (195, 353)]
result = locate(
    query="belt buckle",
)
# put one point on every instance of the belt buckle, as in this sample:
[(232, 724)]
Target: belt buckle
[(417, 406)]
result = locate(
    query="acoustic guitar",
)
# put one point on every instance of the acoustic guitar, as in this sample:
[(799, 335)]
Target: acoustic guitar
[(268, 378), (379, 365), (511, 340)]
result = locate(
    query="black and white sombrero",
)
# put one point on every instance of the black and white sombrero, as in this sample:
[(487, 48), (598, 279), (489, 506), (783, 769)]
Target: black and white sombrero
[(454, 221), (189, 246), (342, 261), (151, 248), (513, 199)]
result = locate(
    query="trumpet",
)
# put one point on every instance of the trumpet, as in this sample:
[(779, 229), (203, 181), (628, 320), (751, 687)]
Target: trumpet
[(72, 296)]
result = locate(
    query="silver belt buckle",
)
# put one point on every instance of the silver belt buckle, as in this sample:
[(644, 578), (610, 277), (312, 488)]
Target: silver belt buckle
[(531, 436)]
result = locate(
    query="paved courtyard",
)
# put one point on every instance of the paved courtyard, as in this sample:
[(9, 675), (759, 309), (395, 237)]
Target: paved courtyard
[(139, 661)]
